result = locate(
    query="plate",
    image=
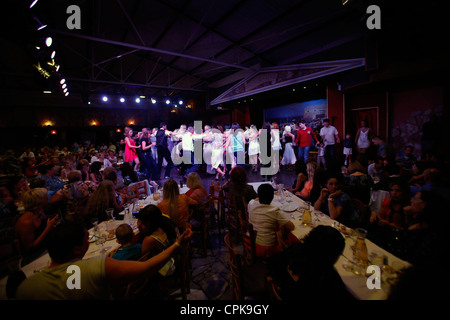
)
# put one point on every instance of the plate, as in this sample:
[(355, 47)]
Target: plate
[(289, 207)]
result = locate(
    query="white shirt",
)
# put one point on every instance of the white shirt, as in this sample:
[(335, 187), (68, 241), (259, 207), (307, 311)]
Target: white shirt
[(328, 134), (265, 218)]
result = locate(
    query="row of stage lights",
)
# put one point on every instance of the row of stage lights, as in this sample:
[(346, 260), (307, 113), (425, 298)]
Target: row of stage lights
[(46, 56), (152, 100)]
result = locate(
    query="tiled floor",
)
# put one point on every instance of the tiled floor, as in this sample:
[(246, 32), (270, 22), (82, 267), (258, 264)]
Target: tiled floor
[(210, 275)]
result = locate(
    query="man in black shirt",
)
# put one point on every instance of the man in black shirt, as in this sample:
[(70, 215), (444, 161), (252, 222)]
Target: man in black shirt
[(163, 151)]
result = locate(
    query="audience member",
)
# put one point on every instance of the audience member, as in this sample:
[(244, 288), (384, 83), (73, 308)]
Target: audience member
[(67, 244), (305, 270), (266, 219), (103, 198), (357, 184), (305, 192), (156, 231), (176, 205), (33, 225), (336, 203), (237, 186), (127, 250)]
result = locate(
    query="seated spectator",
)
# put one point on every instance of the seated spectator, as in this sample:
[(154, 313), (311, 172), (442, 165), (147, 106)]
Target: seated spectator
[(84, 167), (196, 189), (176, 205), (305, 192), (357, 184), (336, 203), (376, 169), (391, 212), (266, 219), (156, 231), (301, 176), (406, 159), (94, 173), (128, 250), (103, 198), (74, 195), (52, 183), (432, 181), (33, 225), (305, 270), (237, 186), (67, 244)]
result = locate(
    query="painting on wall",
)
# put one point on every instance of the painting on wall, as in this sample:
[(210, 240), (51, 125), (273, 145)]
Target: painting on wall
[(312, 111)]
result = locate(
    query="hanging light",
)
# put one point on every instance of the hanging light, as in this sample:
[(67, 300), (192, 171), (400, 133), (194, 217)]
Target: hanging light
[(33, 3)]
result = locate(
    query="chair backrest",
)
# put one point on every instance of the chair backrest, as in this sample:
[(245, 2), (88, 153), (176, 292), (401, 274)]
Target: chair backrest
[(248, 239), (230, 207), (234, 261), (137, 190)]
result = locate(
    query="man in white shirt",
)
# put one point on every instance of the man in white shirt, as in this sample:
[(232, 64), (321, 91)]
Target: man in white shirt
[(330, 137), (266, 218)]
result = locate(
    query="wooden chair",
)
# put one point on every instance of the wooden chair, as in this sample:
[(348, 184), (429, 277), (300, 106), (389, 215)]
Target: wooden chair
[(246, 280), (136, 191), (200, 224), (230, 209), (216, 210), (248, 240)]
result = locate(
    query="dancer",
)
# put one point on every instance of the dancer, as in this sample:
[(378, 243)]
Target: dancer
[(253, 147), (147, 159), (130, 148), (289, 158), (217, 150), (163, 151)]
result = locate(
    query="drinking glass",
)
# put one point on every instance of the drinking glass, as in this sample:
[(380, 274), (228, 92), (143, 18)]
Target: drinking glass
[(110, 213)]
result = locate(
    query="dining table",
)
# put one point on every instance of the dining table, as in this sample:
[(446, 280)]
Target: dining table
[(97, 247), (358, 279)]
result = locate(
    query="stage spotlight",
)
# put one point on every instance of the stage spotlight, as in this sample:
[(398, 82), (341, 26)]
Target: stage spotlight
[(48, 41), (62, 81), (180, 102), (64, 86), (105, 98), (138, 100), (33, 3), (52, 56), (122, 100), (167, 101), (153, 101), (67, 93)]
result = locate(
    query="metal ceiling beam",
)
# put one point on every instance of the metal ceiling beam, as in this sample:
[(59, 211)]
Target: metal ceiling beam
[(123, 83), (144, 48)]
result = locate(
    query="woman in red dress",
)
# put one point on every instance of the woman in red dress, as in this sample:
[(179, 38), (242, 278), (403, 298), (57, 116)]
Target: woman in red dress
[(130, 148)]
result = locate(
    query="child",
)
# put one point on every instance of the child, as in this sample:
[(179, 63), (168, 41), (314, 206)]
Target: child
[(127, 250), (348, 146), (321, 155)]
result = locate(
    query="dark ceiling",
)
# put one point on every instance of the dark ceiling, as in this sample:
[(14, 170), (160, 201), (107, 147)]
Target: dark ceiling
[(185, 48)]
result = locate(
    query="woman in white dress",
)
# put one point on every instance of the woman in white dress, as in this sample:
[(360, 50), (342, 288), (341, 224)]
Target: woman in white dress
[(363, 137), (253, 147), (289, 157), (217, 147)]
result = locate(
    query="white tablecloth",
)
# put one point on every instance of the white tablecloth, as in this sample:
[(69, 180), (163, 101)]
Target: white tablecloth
[(356, 284)]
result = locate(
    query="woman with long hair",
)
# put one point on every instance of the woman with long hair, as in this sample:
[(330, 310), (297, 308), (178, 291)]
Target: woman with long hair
[(157, 232), (176, 205), (103, 198)]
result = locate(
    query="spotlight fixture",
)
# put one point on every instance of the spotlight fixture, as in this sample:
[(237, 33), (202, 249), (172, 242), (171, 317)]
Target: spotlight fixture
[(153, 101), (67, 93), (64, 86), (62, 81), (33, 3), (167, 101), (48, 41), (105, 98), (122, 100), (138, 100), (180, 102), (40, 24)]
